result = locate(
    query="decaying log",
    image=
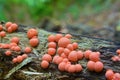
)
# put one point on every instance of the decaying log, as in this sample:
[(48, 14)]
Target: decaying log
[(30, 68)]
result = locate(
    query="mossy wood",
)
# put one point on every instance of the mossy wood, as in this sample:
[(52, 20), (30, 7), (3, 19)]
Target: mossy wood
[(30, 68)]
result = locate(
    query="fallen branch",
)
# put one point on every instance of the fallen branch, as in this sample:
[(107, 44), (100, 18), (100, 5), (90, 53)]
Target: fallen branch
[(107, 49)]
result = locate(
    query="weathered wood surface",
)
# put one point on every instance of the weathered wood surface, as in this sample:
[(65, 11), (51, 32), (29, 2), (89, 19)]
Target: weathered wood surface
[(32, 69)]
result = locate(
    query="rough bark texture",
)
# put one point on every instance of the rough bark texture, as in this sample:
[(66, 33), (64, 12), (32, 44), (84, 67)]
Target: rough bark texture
[(30, 68)]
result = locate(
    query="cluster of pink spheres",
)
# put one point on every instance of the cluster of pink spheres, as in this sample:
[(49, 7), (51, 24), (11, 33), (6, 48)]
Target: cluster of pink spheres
[(65, 54), (14, 46), (61, 51)]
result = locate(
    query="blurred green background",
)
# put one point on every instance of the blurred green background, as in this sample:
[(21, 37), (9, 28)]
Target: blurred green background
[(99, 18), (33, 11)]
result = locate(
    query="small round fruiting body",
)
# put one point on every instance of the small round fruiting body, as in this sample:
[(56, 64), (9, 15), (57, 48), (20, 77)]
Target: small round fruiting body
[(27, 50), (109, 74), (51, 45), (94, 56), (31, 33), (60, 50), (68, 64), (70, 47), (9, 30), (79, 54), (8, 53), (24, 56), (12, 48), (78, 68), (87, 54), (115, 58), (12, 44), (14, 27), (51, 38), (8, 24), (5, 46), (55, 58), (65, 60), (15, 40), (14, 60), (75, 45), (73, 56), (44, 64), (72, 69), (91, 65), (68, 36), (61, 66), (17, 48), (63, 55), (34, 42), (63, 42), (118, 51), (58, 37), (51, 51), (2, 33), (116, 76), (59, 60), (66, 51), (19, 59), (47, 57), (99, 66)]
